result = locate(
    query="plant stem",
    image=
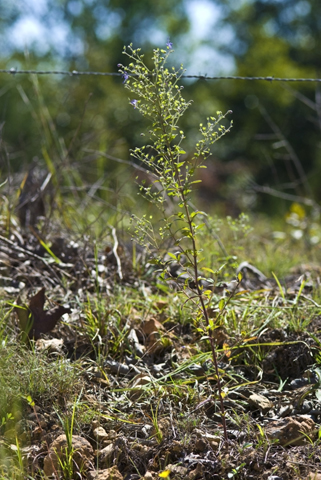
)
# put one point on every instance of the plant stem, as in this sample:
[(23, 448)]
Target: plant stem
[(195, 266), (205, 314)]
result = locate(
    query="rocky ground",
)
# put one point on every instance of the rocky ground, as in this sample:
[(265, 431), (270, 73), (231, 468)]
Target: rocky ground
[(142, 402)]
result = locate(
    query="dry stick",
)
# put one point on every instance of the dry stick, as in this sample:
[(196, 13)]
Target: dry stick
[(64, 160), (287, 196), (215, 235), (301, 97), (91, 192), (150, 175), (120, 160), (295, 159), (113, 231), (318, 105), (31, 254), (77, 129)]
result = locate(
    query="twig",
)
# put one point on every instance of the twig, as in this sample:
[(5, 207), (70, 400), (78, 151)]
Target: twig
[(301, 97), (151, 176), (77, 129), (295, 159), (120, 160), (113, 231), (31, 254), (287, 196), (212, 232)]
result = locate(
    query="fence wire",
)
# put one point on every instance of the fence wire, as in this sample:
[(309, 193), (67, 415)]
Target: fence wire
[(75, 73)]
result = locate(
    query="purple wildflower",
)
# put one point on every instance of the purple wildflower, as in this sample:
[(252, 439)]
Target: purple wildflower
[(125, 77), (134, 103), (169, 44)]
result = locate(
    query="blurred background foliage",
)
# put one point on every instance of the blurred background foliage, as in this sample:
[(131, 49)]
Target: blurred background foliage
[(82, 128)]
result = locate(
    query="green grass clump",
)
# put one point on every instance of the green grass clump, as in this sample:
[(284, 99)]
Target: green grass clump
[(28, 376)]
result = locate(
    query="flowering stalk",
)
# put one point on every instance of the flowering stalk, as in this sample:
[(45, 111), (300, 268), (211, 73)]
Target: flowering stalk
[(158, 97)]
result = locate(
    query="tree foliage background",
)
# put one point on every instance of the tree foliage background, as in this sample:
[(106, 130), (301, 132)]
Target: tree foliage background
[(65, 121)]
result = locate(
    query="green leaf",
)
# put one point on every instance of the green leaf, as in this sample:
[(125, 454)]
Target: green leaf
[(221, 304), (279, 285), (154, 261), (200, 226), (188, 264), (29, 400), (207, 293), (208, 270), (198, 212)]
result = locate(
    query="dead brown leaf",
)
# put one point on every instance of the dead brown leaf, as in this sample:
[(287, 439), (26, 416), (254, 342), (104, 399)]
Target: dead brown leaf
[(34, 320)]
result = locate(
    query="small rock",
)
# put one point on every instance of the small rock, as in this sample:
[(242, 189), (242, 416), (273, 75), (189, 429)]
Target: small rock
[(100, 434), (82, 454), (313, 476), (146, 430), (178, 470), (299, 383), (290, 430), (286, 410), (164, 426), (213, 440), (105, 456), (148, 476), (200, 445), (107, 474), (53, 345), (260, 402), (306, 406)]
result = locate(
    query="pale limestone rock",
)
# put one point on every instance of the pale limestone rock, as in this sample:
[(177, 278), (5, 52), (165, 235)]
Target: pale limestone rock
[(100, 434), (53, 345), (260, 402)]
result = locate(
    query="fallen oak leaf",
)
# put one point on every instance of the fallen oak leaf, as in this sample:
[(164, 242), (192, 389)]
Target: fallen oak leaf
[(34, 320)]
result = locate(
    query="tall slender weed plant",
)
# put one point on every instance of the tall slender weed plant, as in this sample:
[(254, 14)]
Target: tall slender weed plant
[(158, 97)]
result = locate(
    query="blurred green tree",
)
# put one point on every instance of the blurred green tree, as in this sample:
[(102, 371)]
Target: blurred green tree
[(275, 141), (277, 124), (61, 122)]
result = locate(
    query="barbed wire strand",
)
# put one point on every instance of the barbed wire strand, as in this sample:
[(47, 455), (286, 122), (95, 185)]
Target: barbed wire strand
[(75, 73)]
